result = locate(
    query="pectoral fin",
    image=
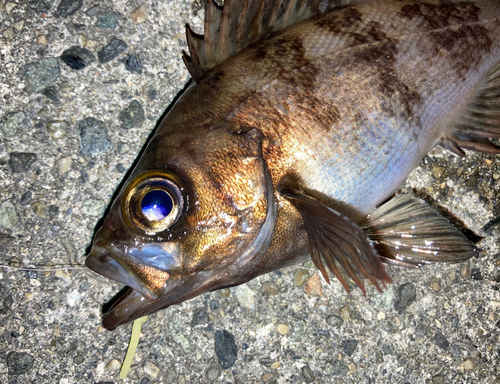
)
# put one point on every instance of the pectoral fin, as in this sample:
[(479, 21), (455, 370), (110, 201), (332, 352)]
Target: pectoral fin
[(408, 232), (337, 243)]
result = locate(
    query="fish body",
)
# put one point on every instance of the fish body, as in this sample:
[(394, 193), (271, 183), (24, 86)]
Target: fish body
[(288, 148)]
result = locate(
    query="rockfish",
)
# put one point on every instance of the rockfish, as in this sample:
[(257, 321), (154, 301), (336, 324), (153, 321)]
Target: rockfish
[(303, 119)]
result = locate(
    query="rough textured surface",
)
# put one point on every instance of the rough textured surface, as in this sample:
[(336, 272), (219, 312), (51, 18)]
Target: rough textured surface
[(438, 324)]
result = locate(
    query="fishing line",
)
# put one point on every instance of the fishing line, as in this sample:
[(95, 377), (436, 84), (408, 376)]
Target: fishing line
[(44, 269)]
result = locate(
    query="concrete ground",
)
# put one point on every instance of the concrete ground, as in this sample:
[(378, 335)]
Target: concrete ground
[(71, 124)]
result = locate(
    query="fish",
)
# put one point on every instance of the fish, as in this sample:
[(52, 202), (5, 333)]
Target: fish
[(302, 121)]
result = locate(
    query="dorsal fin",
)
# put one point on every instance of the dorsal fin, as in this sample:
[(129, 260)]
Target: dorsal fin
[(230, 28)]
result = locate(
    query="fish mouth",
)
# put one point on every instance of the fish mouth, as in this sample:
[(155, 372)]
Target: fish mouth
[(124, 308)]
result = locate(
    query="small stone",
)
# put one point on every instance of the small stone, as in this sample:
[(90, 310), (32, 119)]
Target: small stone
[(465, 271), (345, 313), (213, 372), (69, 7), (93, 11), (441, 341), (14, 122), (200, 317), (112, 50), (9, 33), (63, 165), (21, 161), (41, 74), (139, 15), (313, 286), (308, 374), (26, 198), (151, 370), (41, 39), (93, 207), (451, 278), (63, 276), (468, 365), (152, 94), (133, 64), (406, 294), (475, 354), (381, 316), (57, 129), (77, 57), (8, 215), (19, 363), (283, 329), (108, 20), (51, 93), (93, 137), (120, 168), (245, 296), (438, 172), (40, 209), (436, 285), (224, 292), (334, 321), (113, 366), (270, 289), (300, 277), (476, 274), (275, 365), (18, 25), (349, 346), (9, 6), (132, 116), (225, 348), (38, 6)]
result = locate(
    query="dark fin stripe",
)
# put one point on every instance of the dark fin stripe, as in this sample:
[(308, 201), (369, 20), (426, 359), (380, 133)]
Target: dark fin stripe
[(338, 244), (240, 23), (408, 232), (480, 120)]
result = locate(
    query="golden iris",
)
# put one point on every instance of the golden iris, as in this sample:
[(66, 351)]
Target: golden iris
[(153, 201)]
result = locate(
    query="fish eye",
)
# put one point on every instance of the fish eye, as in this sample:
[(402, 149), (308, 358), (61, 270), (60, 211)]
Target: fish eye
[(153, 201)]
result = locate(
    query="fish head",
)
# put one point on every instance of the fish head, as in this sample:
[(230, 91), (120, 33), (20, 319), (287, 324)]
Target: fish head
[(196, 214)]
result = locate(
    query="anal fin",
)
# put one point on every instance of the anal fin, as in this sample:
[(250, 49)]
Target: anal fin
[(406, 231), (337, 243), (480, 121)]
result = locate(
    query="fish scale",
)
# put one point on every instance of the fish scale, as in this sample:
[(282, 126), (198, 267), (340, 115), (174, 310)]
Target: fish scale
[(335, 112)]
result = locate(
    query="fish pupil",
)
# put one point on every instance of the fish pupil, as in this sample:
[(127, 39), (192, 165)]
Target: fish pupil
[(156, 205)]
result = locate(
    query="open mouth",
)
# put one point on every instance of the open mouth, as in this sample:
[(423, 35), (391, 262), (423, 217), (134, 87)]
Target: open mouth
[(123, 308)]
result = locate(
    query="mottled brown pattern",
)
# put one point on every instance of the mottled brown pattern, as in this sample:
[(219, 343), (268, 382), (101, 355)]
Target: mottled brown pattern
[(454, 31)]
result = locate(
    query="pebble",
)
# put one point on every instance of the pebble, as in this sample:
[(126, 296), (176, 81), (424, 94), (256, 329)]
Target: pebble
[(93, 137), (41, 74), (465, 271), (132, 116), (475, 274), (334, 321), (38, 6), (51, 93), (179, 335), (245, 296), (41, 39), (19, 363), (152, 93), (57, 129), (8, 215), (66, 277), (381, 316), (441, 341), (300, 277), (438, 172), (40, 209), (69, 7), (283, 329), (93, 207), (313, 286), (269, 288), (108, 20), (63, 165), (113, 366), (120, 168), (26, 198), (307, 374), (6, 302), (225, 349), (139, 15), (21, 161), (224, 292), (9, 33), (213, 372), (77, 57), (436, 285), (13, 123), (349, 346), (112, 50), (151, 370), (345, 313), (200, 317), (468, 365), (133, 64), (406, 294), (9, 6)]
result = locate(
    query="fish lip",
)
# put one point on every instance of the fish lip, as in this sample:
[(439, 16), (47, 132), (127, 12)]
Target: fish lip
[(123, 309), (102, 262)]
